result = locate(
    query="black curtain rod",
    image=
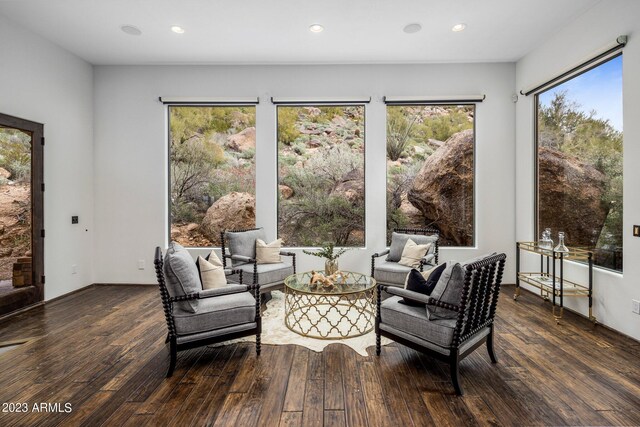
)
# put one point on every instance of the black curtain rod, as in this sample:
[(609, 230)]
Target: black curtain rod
[(205, 102), (578, 69), (461, 101), (322, 102)]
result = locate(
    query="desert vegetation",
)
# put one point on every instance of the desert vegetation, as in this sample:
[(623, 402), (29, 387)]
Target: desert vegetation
[(212, 152), (425, 144), (321, 175), (15, 198)]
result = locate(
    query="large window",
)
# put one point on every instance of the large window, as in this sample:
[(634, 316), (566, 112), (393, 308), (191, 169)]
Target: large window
[(579, 144), (212, 172), (430, 170), (321, 175)]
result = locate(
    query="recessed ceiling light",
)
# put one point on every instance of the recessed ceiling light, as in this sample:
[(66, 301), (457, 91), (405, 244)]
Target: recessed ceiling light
[(412, 28), (458, 27), (316, 28), (177, 29), (131, 30)]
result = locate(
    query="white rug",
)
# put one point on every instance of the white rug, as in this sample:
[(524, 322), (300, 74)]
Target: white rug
[(275, 332)]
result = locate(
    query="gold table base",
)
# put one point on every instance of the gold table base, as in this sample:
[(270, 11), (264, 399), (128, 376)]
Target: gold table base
[(329, 316)]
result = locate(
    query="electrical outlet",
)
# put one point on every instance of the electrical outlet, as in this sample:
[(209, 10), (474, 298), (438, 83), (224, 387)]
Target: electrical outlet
[(74, 269), (141, 264), (636, 306)]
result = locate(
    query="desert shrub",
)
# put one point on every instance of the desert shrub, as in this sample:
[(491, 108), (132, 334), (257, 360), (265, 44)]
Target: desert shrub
[(287, 124), (15, 154), (399, 131)]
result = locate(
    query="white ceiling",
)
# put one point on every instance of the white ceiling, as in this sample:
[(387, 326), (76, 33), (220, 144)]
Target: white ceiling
[(276, 31)]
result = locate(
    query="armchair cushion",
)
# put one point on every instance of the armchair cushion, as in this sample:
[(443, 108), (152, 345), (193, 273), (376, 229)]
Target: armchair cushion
[(390, 273), (181, 276), (267, 273), (216, 313), (211, 272), (244, 242), (413, 320), (413, 253), (448, 290), (399, 240), (268, 253)]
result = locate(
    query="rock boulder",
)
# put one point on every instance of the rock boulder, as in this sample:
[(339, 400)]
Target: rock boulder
[(443, 189), (571, 194), (243, 140), (231, 211), (351, 187)]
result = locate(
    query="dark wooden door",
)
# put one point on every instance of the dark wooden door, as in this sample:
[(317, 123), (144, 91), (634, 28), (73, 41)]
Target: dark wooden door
[(23, 292)]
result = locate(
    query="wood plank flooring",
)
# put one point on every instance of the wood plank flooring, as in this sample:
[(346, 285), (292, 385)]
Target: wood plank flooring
[(102, 350)]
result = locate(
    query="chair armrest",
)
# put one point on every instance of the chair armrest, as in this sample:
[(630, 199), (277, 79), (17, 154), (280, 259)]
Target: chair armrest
[(287, 253), (241, 258), (382, 253), (225, 290), (433, 301), (426, 260), (230, 272), (408, 294)]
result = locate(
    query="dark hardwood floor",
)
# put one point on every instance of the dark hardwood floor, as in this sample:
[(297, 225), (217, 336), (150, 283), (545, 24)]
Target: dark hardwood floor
[(102, 350)]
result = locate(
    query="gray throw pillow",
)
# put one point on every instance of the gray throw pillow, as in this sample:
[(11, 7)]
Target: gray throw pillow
[(244, 242), (399, 240), (448, 290), (181, 275)]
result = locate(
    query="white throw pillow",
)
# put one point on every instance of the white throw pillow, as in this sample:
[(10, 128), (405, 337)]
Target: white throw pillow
[(211, 272), (413, 253), (268, 253)]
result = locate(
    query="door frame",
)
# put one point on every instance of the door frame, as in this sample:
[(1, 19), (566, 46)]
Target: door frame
[(37, 202)]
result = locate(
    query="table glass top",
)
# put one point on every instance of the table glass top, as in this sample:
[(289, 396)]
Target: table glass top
[(342, 282)]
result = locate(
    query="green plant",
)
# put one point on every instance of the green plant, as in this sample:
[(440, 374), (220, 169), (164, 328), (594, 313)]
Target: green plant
[(287, 124), (327, 251)]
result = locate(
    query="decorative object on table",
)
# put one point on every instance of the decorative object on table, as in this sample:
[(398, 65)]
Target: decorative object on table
[(239, 249), (550, 280), (546, 242), (465, 322), (330, 255), (389, 271), (332, 307), (561, 247), (197, 317)]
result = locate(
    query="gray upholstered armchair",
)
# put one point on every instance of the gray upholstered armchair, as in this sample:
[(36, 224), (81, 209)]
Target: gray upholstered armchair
[(451, 322), (387, 271), (239, 247), (197, 317)]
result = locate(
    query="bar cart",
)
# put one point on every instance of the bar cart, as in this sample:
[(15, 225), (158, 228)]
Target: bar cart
[(550, 279)]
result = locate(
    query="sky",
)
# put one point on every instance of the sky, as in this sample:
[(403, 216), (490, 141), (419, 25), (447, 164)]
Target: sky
[(599, 89)]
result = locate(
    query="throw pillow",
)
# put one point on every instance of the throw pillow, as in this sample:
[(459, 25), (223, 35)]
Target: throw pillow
[(423, 283), (413, 253), (211, 272), (268, 253), (399, 240), (447, 290)]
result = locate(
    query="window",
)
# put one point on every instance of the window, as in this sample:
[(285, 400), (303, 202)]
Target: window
[(430, 170), (211, 172), (579, 162), (321, 175)]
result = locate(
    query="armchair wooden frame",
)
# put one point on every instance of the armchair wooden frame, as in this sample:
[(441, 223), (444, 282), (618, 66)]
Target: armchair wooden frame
[(476, 311), (167, 304)]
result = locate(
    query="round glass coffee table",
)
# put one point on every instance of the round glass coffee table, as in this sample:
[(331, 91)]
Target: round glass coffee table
[(345, 309)]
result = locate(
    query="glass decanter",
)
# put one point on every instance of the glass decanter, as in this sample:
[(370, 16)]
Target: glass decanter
[(546, 242), (561, 247)]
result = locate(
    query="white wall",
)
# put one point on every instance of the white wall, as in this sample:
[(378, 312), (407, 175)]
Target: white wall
[(41, 82), (597, 28), (131, 147)]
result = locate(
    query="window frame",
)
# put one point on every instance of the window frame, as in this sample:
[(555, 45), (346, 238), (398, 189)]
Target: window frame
[(318, 104), (168, 106), (536, 146), (474, 244)]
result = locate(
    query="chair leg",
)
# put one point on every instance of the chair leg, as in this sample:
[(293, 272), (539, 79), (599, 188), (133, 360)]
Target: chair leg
[(258, 349), (492, 354), (454, 365), (173, 352), (167, 340), (378, 346)]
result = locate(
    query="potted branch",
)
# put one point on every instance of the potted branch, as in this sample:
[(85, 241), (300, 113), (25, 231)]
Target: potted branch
[(330, 254)]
